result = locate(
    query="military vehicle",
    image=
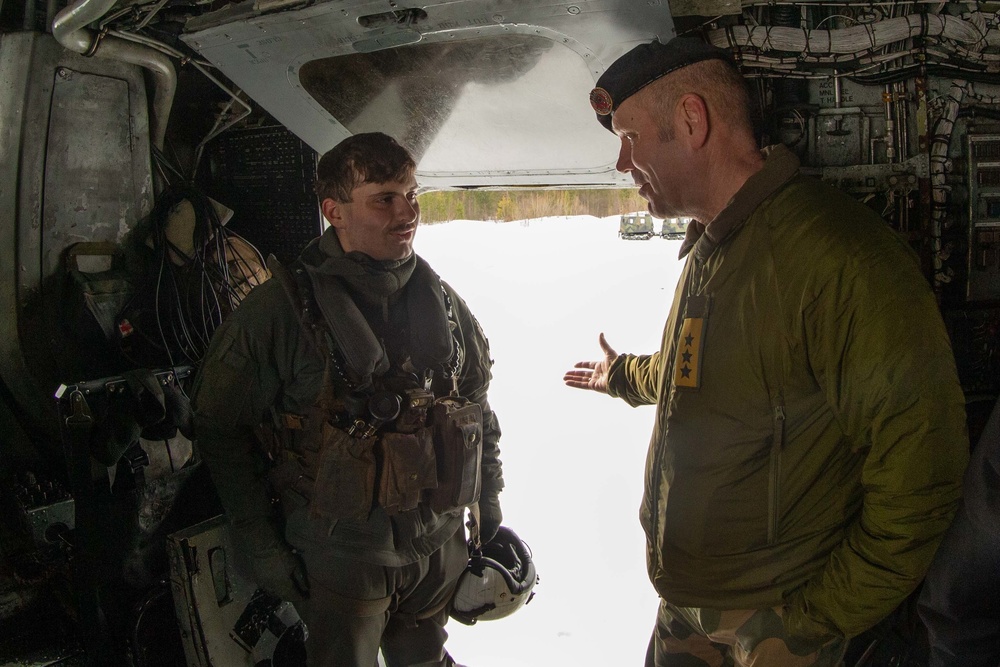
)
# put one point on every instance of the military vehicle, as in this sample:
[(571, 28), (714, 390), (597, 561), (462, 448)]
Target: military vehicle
[(148, 150), (674, 228), (634, 226)]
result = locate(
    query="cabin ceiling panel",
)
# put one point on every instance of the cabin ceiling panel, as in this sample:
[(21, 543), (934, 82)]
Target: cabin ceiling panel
[(483, 93)]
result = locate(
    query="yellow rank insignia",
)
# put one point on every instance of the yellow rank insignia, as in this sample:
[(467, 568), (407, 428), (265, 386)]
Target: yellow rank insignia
[(687, 364)]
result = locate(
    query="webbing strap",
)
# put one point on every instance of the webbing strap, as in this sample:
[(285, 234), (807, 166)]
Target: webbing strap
[(315, 332), (474, 538)]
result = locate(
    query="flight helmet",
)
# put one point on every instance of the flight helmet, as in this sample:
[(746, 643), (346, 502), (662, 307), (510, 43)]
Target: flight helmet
[(497, 582)]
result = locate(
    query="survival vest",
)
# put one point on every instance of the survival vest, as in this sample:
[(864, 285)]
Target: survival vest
[(390, 441)]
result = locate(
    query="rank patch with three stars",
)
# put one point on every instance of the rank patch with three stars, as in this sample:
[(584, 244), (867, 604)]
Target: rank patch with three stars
[(690, 345)]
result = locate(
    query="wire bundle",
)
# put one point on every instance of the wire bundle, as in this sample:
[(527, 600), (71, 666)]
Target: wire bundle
[(188, 289)]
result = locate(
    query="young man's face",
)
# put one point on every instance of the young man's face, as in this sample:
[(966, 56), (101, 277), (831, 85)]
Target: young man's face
[(379, 221)]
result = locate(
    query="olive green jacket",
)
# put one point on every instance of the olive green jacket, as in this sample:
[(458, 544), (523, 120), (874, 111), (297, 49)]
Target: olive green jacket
[(260, 366), (810, 431)]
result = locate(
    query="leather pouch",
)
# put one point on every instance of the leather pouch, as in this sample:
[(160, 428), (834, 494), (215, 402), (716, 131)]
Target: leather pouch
[(344, 486), (458, 429), (408, 469)]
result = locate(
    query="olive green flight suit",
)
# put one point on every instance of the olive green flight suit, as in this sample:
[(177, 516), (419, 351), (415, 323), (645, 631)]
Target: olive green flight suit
[(376, 580)]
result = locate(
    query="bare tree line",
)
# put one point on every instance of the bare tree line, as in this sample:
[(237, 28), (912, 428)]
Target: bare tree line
[(507, 205)]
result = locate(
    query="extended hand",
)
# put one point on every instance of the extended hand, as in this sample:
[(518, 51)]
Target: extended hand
[(592, 375)]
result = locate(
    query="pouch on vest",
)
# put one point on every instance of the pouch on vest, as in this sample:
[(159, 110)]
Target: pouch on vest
[(458, 428), (344, 486), (408, 469)]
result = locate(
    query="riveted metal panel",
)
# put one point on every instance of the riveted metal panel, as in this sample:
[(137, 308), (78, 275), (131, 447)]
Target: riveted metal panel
[(453, 95), (89, 194), (56, 138)]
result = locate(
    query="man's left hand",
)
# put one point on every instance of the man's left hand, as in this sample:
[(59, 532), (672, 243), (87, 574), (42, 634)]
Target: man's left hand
[(490, 518)]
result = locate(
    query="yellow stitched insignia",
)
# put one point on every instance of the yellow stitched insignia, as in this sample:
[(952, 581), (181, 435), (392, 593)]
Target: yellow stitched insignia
[(688, 360)]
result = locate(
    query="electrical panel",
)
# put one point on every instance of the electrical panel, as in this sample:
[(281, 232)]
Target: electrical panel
[(266, 175), (984, 217)]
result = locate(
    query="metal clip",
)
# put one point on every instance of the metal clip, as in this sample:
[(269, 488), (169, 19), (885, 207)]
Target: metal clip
[(80, 416), (361, 429)]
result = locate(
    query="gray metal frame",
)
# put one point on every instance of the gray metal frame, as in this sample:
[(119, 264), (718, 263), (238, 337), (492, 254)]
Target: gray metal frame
[(32, 242), (983, 284), (263, 52)]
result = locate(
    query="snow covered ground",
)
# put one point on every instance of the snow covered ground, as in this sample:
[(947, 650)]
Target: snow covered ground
[(573, 460)]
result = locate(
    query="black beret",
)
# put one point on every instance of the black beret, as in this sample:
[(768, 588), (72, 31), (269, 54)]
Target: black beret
[(642, 66)]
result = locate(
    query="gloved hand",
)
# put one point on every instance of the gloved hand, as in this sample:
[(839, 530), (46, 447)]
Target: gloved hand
[(490, 517), (275, 566), (282, 573)]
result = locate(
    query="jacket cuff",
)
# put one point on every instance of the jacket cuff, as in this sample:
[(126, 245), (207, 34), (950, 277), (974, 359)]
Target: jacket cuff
[(617, 386)]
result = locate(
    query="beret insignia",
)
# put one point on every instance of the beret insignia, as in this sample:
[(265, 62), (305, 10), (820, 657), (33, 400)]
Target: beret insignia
[(600, 99)]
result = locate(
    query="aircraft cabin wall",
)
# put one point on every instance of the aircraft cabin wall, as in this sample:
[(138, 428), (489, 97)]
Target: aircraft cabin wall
[(95, 166), (931, 176), (75, 159)]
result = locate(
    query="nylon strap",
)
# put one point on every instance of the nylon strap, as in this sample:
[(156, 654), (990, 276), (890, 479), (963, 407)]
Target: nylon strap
[(474, 538)]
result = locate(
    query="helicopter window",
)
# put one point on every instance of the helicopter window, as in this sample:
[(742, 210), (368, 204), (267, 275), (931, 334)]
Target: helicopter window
[(508, 103)]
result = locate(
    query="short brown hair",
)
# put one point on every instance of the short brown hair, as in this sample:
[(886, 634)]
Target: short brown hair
[(371, 157)]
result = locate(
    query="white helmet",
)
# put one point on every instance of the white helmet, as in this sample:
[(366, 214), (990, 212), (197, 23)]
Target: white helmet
[(498, 581)]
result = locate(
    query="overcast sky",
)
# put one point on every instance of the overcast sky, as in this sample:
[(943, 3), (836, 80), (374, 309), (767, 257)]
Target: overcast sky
[(573, 460)]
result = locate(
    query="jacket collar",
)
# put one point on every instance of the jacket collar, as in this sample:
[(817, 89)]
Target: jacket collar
[(339, 279), (780, 166), (370, 279)]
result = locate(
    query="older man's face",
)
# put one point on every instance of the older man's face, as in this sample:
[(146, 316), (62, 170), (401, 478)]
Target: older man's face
[(654, 161)]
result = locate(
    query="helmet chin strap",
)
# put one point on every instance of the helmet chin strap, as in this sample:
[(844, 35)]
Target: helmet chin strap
[(473, 525)]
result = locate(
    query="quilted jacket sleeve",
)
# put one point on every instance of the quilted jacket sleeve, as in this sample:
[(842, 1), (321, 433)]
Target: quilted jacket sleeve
[(635, 378)]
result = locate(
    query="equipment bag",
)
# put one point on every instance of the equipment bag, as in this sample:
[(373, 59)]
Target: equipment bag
[(458, 427), (408, 469), (345, 476)]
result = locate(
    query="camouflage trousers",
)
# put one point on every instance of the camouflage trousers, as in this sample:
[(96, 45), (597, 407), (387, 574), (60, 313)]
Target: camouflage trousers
[(693, 637)]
